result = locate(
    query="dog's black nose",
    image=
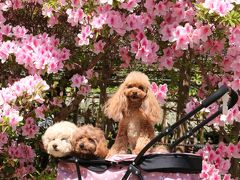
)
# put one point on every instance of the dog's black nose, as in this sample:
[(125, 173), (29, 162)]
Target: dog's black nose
[(54, 146), (81, 145)]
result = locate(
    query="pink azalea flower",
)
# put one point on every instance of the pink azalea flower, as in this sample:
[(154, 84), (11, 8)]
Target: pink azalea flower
[(39, 111), (17, 4), (129, 5), (53, 20), (84, 90), (3, 138), (149, 5), (114, 20), (57, 102), (83, 37), (191, 105), (160, 92), (89, 74), (47, 11), (98, 21), (98, 46), (78, 80), (75, 16)]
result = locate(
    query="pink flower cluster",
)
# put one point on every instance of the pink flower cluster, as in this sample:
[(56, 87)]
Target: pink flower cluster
[(31, 87), (21, 151), (217, 162), (222, 7), (185, 36), (98, 47), (123, 51), (3, 139), (145, 49), (191, 105), (25, 155), (30, 128), (81, 82), (75, 16), (27, 86), (83, 37), (232, 115), (38, 54), (160, 92)]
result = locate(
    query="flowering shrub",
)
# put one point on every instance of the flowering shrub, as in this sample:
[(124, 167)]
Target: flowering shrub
[(56, 53)]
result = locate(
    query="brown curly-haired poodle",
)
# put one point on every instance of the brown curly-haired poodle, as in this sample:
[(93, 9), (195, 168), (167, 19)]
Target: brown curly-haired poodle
[(137, 110), (89, 142)]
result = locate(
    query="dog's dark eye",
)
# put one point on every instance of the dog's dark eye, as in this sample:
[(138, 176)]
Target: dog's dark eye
[(141, 87), (64, 139), (129, 86), (91, 140)]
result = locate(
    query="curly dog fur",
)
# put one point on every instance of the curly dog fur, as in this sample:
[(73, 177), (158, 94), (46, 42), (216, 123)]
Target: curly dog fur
[(137, 110), (89, 142), (56, 139)]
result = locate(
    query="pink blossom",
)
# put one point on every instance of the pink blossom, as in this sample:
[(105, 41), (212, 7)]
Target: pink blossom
[(6, 30), (30, 130), (160, 9), (47, 11), (83, 37), (53, 20), (78, 80), (39, 111), (77, 3), (17, 4), (123, 51), (2, 18), (165, 62), (3, 138), (191, 105), (98, 46), (99, 21), (75, 16), (129, 5), (84, 90), (19, 32), (167, 32), (147, 51), (160, 92), (149, 5), (57, 101), (115, 21), (204, 32), (89, 74)]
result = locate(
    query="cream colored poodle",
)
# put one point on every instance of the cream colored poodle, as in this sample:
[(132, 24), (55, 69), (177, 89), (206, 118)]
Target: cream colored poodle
[(137, 110), (57, 139)]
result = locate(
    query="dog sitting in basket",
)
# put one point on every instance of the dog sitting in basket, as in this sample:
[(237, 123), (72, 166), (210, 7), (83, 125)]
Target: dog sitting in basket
[(137, 110), (66, 139)]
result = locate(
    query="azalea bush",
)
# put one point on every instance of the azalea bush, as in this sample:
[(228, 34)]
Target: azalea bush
[(61, 58)]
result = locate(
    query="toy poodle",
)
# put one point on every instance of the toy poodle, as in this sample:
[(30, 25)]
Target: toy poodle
[(89, 142), (137, 110), (57, 139)]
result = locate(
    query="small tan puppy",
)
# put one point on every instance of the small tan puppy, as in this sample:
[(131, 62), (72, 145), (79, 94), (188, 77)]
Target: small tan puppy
[(57, 139), (89, 142)]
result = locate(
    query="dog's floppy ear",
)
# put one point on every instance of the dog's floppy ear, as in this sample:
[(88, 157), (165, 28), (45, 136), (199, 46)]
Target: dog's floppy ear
[(151, 107), (101, 149), (116, 105), (45, 141)]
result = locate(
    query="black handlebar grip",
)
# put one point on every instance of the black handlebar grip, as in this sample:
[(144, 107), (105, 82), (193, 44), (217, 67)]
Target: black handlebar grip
[(233, 99), (215, 96)]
